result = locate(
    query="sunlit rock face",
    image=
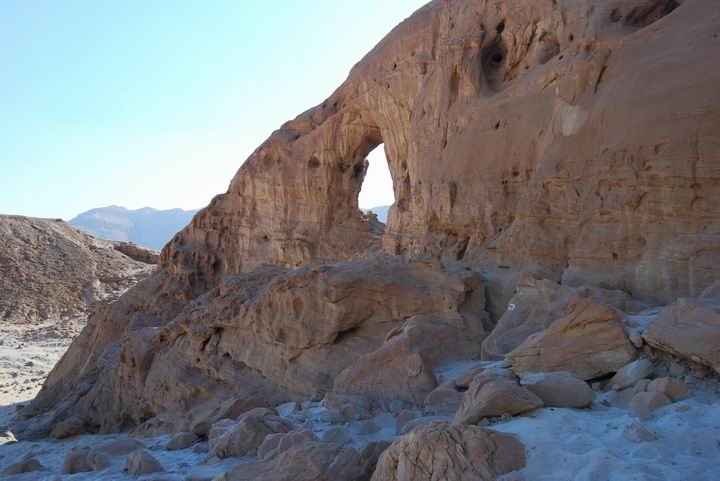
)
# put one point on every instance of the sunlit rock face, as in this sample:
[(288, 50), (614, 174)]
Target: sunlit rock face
[(576, 139)]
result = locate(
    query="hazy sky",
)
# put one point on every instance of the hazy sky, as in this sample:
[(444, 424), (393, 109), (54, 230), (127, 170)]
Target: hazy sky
[(158, 102)]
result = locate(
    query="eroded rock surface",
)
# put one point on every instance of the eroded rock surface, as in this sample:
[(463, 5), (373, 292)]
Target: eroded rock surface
[(574, 139), (588, 341), (453, 453)]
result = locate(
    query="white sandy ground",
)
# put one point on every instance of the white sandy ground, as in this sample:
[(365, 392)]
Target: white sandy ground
[(28, 353), (561, 444)]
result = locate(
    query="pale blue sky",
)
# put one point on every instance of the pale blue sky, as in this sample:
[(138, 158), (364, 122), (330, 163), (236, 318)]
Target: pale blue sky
[(158, 102)]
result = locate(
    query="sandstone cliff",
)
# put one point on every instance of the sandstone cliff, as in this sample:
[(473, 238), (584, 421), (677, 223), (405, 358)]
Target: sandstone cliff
[(574, 140)]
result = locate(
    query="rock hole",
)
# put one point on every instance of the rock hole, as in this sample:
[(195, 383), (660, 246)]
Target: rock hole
[(376, 193), (616, 15), (314, 162), (571, 37), (501, 27)]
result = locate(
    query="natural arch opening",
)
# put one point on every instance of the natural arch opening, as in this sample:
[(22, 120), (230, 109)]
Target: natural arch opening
[(376, 193)]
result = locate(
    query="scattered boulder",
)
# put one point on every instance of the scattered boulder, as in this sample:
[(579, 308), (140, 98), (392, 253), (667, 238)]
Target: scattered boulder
[(588, 341), (643, 404), (443, 401), (25, 466), (73, 426), (493, 399), (463, 380), (276, 444), (306, 462), (141, 462), (76, 461), (368, 428), (673, 388), (558, 389), (182, 441), (689, 329), (103, 455), (370, 453), (439, 451), (403, 418), (244, 436), (338, 435), (637, 432), (630, 374), (230, 409), (344, 407), (641, 386)]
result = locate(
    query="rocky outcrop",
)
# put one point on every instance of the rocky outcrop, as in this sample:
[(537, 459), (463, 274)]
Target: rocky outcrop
[(588, 341), (453, 453), (690, 329), (573, 139), (558, 389)]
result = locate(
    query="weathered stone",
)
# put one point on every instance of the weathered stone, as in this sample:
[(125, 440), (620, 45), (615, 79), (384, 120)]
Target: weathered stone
[(306, 462), (537, 303), (689, 329), (24, 466), (73, 426), (630, 374), (103, 455), (443, 401), (182, 441), (141, 462), (393, 371), (7, 437), (558, 389), (420, 421), (368, 427), (244, 436), (449, 452), (76, 461), (338, 435), (643, 404), (403, 418), (494, 399), (343, 407), (588, 341), (673, 388)]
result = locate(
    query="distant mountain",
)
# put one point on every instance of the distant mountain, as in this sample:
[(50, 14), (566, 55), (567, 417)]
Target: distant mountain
[(381, 211), (147, 226)]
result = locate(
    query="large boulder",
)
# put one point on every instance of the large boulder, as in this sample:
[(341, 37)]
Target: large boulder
[(141, 462), (493, 399), (244, 436), (105, 454), (275, 444), (537, 303), (588, 341), (24, 466), (439, 451), (643, 404), (73, 426), (674, 389), (629, 375), (689, 329), (558, 389), (394, 371), (306, 462)]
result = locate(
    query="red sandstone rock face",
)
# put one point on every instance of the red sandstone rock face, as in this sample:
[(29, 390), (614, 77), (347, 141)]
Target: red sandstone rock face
[(573, 138), (578, 135)]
